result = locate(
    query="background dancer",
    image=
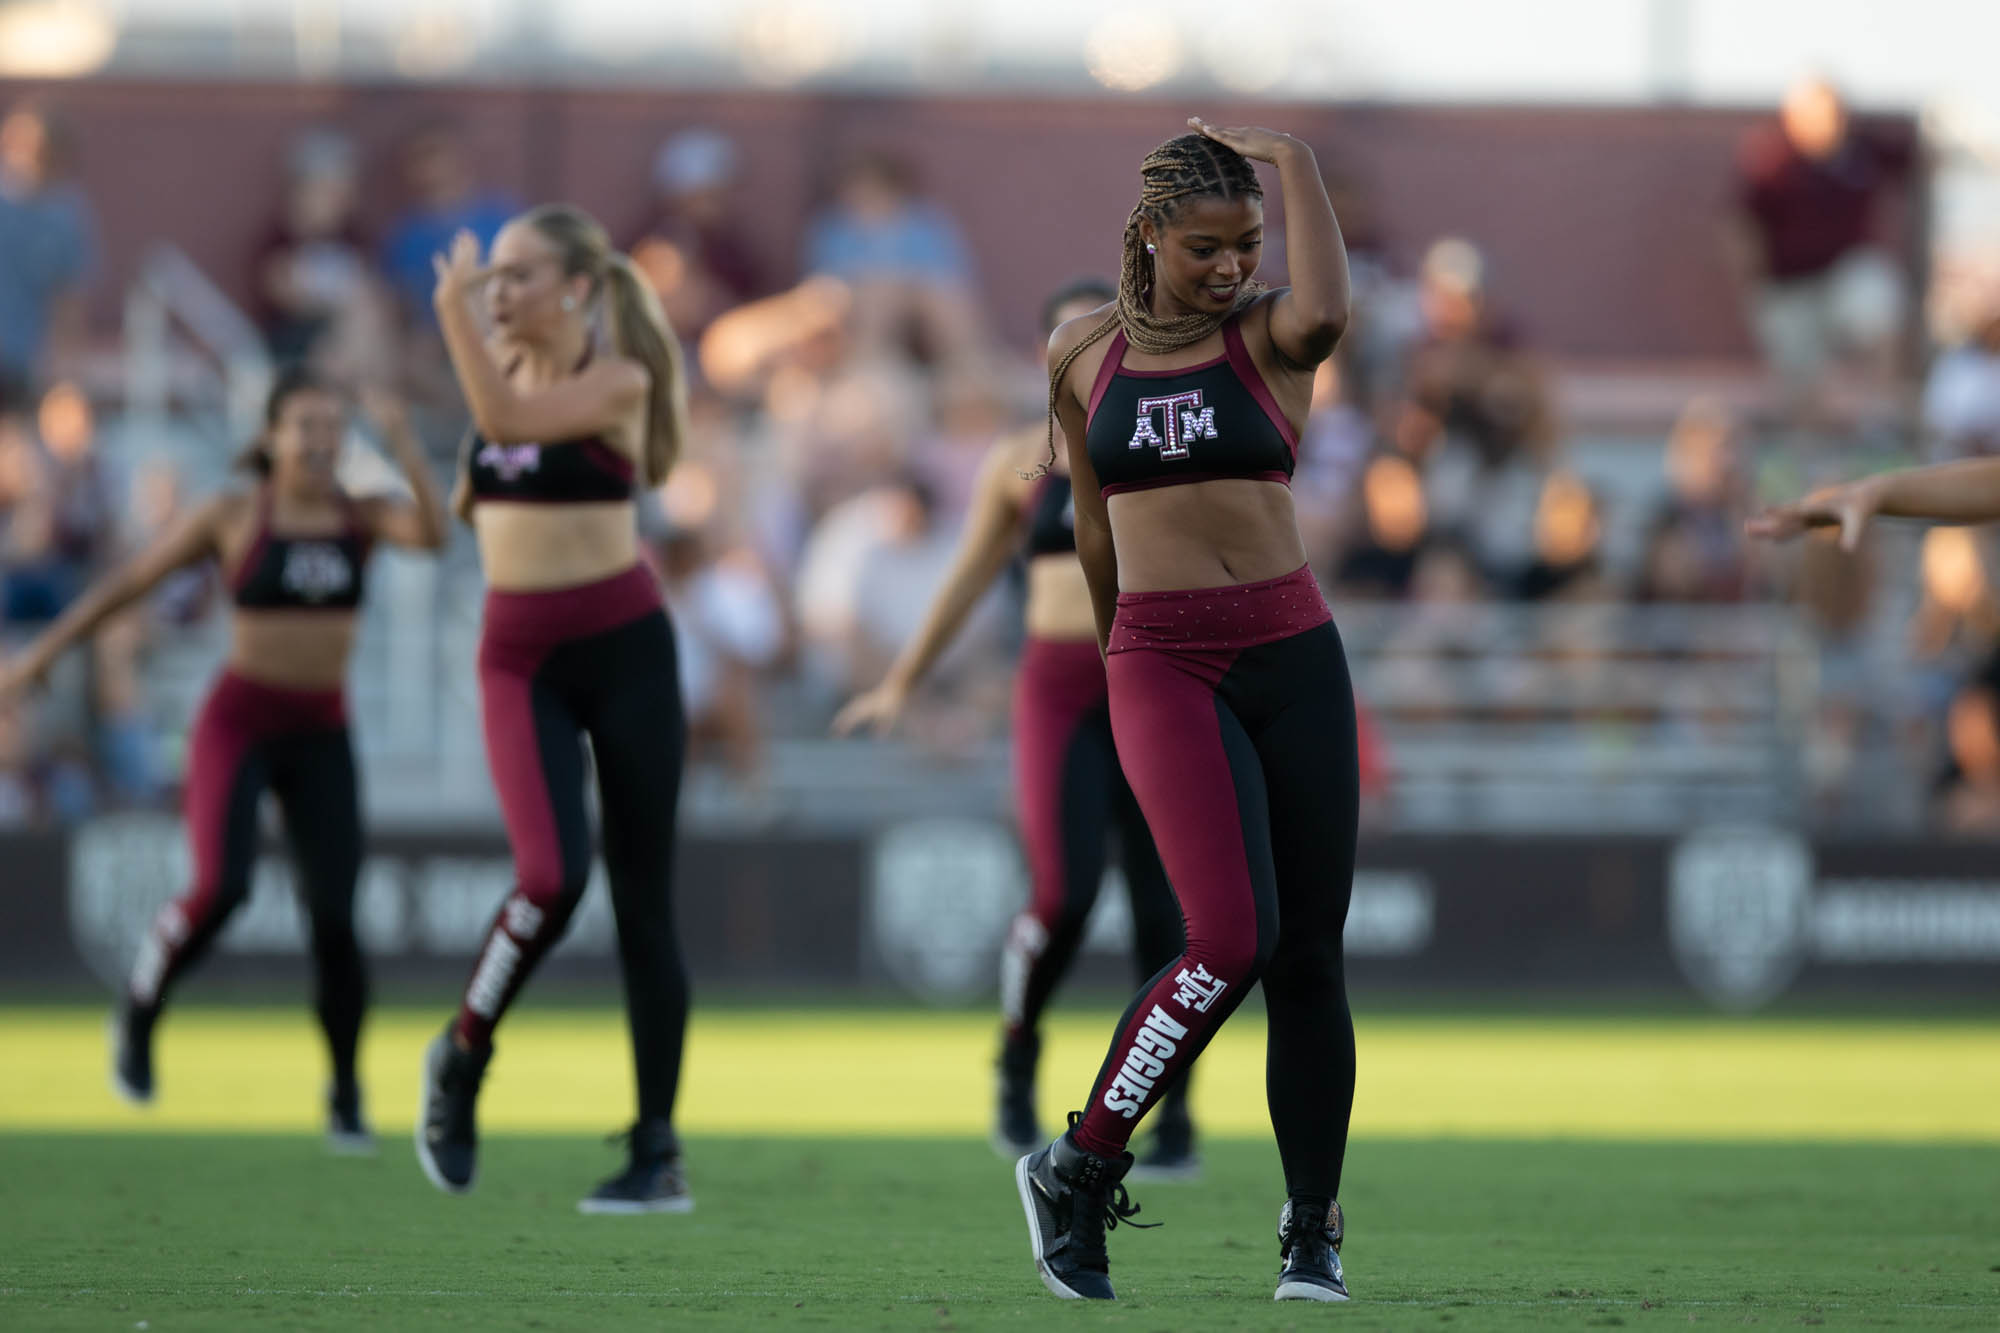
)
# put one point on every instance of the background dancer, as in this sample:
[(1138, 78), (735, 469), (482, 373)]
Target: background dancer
[(293, 550), (1067, 784), (570, 419)]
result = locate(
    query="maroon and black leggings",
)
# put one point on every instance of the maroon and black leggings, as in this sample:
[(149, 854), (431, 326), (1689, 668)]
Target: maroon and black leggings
[(555, 668), (1235, 725), (250, 738), (1069, 792)]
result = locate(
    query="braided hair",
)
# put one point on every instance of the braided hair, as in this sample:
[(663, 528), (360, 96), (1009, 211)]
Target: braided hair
[(1192, 166)]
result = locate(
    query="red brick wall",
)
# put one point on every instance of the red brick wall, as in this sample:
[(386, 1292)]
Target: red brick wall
[(1599, 224)]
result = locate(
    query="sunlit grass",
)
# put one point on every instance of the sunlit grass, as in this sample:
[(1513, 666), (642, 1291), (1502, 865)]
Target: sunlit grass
[(831, 1072)]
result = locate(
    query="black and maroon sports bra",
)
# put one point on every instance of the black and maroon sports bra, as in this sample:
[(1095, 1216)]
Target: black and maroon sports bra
[(1051, 517), (1148, 428), (587, 470), (302, 573)]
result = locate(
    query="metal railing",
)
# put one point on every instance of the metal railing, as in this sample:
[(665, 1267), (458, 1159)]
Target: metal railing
[(188, 347)]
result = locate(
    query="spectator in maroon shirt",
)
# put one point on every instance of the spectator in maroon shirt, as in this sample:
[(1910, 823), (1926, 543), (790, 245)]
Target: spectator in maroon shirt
[(692, 247), (1820, 290)]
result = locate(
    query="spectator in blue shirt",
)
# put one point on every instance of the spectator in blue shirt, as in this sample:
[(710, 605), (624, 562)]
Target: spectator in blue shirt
[(48, 247), (877, 227), (904, 258), (444, 196)]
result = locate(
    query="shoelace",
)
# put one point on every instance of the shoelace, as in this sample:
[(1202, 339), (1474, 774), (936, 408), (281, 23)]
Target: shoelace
[(1091, 1216)]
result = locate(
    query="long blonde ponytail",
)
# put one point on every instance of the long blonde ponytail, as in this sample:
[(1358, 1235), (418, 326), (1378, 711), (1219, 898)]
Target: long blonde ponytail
[(638, 325)]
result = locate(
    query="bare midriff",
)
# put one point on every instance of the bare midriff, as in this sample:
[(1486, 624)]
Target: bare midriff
[(1205, 534), (535, 547), (1058, 603), (294, 650)]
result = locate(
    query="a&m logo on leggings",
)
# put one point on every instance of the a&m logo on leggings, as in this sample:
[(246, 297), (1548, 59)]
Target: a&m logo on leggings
[(1198, 989), (1184, 419)]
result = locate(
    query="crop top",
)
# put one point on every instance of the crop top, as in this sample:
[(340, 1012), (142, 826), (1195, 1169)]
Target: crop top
[(1051, 517), (1148, 428), (321, 573), (586, 470)]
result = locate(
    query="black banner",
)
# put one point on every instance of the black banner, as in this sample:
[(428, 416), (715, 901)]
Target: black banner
[(1741, 914)]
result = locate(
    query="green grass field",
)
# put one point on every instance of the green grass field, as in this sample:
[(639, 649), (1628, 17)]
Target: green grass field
[(1832, 1174)]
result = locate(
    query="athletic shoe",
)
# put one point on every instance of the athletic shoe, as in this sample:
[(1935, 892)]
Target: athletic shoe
[(652, 1181), (1072, 1196), (131, 1034), (347, 1134), (1309, 1244), (1014, 1129), (447, 1141), (1171, 1159)]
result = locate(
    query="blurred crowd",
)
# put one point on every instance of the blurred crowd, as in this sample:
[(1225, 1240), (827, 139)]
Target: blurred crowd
[(842, 398)]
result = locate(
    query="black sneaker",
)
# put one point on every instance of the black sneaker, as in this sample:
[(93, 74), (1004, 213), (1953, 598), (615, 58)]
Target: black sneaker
[(1014, 1129), (131, 1033), (1309, 1243), (447, 1142), (1171, 1159), (652, 1181), (347, 1134), (1071, 1197)]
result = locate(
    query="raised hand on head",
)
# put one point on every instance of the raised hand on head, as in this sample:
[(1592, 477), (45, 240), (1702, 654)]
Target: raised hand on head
[(1252, 141)]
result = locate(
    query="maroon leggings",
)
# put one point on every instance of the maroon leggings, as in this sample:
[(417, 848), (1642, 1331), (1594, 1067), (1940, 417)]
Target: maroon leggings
[(1069, 793), (250, 738), (595, 661), (1235, 725)]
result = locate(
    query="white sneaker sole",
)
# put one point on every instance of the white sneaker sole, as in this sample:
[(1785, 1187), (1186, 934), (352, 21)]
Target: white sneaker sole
[(1306, 1291), (629, 1208), (1027, 1190), (424, 1158)]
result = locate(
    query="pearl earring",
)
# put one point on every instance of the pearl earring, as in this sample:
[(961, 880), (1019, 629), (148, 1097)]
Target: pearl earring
[(1152, 249), (569, 303)]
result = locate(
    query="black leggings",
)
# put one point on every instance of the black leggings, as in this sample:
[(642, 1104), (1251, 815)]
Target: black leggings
[(1240, 746), (250, 738), (1069, 794), (551, 674)]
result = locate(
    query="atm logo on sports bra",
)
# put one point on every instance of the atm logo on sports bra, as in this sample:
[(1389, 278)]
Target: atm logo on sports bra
[(510, 461), (315, 571), (1183, 419)]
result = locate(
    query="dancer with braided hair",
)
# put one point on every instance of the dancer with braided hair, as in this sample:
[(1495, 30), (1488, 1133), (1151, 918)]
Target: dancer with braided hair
[(1181, 403)]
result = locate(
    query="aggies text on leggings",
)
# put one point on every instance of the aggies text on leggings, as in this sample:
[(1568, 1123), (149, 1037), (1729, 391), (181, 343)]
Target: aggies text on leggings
[(248, 739), (556, 667), (1182, 405), (1235, 722), (294, 552), (577, 398)]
